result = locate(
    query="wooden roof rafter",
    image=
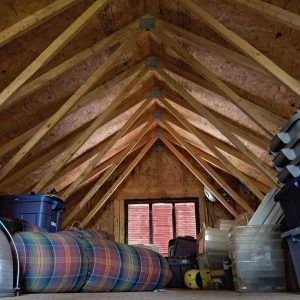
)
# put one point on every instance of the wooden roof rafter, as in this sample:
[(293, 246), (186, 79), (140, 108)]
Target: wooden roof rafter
[(215, 122), (44, 79), (244, 46), (93, 163), (237, 198), (118, 182), (212, 160), (200, 176), (47, 156), (212, 148), (220, 145), (52, 49), (84, 88), (206, 44), (274, 119), (90, 130), (99, 183), (90, 96), (99, 170), (34, 20), (273, 12), (258, 140), (251, 110)]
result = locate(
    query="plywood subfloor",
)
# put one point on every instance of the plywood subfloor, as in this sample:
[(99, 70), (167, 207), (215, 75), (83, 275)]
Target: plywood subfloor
[(166, 295)]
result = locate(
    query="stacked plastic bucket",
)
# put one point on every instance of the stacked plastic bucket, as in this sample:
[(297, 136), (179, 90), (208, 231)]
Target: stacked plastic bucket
[(258, 258)]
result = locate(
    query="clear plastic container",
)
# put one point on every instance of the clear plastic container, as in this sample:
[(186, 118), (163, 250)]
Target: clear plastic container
[(213, 240), (254, 237), (262, 276), (260, 268), (254, 229), (254, 284), (253, 246), (258, 255)]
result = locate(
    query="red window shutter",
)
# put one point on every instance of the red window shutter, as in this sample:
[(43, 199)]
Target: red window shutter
[(138, 224), (162, 226), (185, 219)]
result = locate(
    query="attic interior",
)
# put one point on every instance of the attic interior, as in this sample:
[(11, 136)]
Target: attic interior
[(150, 120)]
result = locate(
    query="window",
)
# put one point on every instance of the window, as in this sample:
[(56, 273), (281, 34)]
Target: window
[(158, 221)]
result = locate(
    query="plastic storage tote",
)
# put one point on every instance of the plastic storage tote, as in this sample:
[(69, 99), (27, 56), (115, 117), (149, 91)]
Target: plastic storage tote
[(293, 239), (258, 258), (183, 246), (41, 210), (179, 266), (290, 202), (212, 239)]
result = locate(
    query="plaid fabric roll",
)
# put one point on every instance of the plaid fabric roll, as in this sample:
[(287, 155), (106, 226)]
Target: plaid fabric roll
[(150, 270), (130, 268), (165, 274), (104, 265), (89, 234), (50, 262)]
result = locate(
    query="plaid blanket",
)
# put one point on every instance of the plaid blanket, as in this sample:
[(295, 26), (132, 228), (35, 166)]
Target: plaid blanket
[(50, 262), (72, 261)]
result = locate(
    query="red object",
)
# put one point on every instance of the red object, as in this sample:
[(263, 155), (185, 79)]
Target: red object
[(159, 229), (185, 219), (162, 226), (138, 224)]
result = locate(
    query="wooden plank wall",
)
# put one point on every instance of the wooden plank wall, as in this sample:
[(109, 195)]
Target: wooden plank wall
[(159, 175)]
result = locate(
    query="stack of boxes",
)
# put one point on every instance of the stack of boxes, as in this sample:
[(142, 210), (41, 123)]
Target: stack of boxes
[(285, 147), (213, 249)]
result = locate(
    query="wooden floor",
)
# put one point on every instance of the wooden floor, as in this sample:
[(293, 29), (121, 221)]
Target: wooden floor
[(166, 295)]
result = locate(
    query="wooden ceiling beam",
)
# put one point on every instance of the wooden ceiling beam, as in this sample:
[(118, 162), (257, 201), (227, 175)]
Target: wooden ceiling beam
[(235, 196), (105, 165), (34, 20), (269, 10), (100, 120), (52, 49), (244, 46), (62, 187), (95, 161), (117, 183), (216, 123), (83, 89), (211, 46), (19, 140), (270, 116), (200, 177), (260, 141), (214, 150), (41, 81), (199, 152), (221, 145), (54, 151), (254, 112), (99, 183), (213, 161)]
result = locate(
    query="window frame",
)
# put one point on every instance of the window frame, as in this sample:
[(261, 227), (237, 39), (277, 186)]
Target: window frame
[(173, 201)]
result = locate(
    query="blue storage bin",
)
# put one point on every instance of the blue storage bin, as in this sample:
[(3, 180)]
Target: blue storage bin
[(41, 210), (293, 239)]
